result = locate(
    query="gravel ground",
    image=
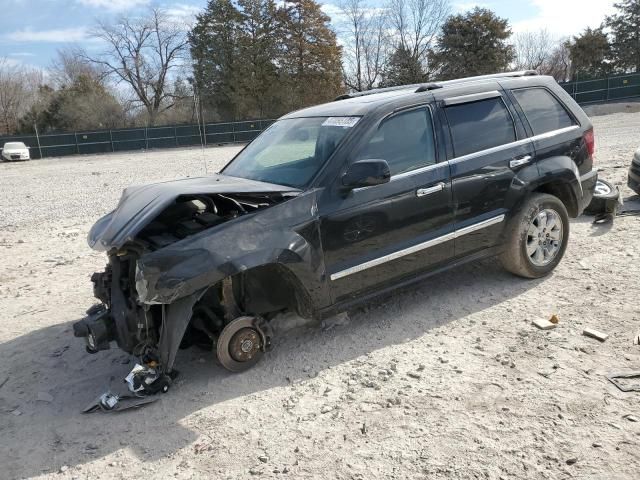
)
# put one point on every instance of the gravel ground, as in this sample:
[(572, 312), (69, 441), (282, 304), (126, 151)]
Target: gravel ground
[(445, 380)]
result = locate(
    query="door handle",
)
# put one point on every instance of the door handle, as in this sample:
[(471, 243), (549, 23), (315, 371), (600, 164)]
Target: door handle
[(516, 162), (438, 187)]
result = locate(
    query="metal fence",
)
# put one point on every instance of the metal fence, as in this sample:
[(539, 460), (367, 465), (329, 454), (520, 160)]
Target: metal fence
[(617, 87), (118, 140)]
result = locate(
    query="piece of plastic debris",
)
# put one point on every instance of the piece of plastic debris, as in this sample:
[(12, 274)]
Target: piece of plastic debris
[(590, 332), (543, 324), (110, 402), (616, 378), (554, 319)]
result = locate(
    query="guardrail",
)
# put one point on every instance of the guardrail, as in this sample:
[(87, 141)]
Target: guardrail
[(614, 88), (143, 138)]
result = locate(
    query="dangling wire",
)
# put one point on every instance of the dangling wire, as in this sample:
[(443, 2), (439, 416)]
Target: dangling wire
[(201, 128)]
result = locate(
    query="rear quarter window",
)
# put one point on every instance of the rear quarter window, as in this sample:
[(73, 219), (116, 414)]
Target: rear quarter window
[(480, 125), (543, 111)]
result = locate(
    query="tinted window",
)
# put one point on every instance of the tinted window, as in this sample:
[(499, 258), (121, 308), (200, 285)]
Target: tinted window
[(405, 141), (542, 110), (291, 151), (479, 125)]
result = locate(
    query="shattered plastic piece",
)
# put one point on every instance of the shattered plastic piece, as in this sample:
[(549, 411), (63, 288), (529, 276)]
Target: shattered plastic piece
[(615, 379), (590, 332), (543, 324), (109, 402)]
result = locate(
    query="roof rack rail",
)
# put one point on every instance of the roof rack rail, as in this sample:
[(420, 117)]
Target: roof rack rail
[(423, 87)]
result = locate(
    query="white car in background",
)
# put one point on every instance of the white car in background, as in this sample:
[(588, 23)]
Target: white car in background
[(15, 151)]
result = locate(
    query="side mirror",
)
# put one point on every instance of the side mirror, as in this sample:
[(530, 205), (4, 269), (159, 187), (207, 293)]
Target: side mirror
[(365, 173)]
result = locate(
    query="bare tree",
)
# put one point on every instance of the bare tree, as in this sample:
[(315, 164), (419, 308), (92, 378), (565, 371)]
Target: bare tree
[(559, 63), (366, 49), (70, 65), (18, 91), (415, 24), (142, 53), (533, 49)]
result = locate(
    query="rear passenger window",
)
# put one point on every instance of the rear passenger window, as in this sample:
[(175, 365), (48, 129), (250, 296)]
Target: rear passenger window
[(405, 141), (479, 125), (542, 110)]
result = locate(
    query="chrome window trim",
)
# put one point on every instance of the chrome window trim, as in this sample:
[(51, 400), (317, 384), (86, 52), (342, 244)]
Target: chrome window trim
[(524, 141), (542, 136), (416, 248)]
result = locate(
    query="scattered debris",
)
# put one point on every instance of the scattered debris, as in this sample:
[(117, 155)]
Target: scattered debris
[(543, 324), (590, 332), (636, 339), (417, 376), (110, 402), (631, 418), (625, 387), (554, 319), (571, 461), (263, 458)]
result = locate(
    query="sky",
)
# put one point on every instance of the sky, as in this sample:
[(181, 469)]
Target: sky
[(35, 29)]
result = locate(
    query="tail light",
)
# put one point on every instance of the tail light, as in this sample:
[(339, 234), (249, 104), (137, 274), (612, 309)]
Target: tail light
[(590, 141)]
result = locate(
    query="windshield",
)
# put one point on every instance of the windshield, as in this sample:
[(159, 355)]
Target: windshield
[(14, 145), (291, 151)]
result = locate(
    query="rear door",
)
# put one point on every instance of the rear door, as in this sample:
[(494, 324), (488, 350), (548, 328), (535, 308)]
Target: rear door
[(377, 235), (488, 145)]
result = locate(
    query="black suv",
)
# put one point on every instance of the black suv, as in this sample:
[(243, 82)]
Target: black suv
[(337, 203)]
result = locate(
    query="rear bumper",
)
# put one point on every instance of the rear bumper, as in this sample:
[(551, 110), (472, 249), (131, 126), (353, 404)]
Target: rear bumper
[(588, 183)]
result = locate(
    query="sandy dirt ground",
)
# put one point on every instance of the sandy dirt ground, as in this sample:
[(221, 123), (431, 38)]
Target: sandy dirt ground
[(445, 380)]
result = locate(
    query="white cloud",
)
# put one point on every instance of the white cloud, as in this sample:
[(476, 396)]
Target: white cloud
[(114, 5), (22, 54), (182, 12), (61, 35), (463, 7), (565, 17)]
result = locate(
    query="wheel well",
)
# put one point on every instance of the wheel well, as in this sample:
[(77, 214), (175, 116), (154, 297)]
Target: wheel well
[(272, 288), (564, 193)]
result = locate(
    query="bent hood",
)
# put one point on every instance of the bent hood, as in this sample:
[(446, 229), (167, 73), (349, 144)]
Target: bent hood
[(140, 204)]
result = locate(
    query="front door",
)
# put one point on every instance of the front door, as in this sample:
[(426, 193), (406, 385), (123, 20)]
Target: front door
[(376, 235)]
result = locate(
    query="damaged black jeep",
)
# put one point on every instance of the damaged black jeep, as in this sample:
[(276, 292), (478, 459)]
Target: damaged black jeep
[(338, 203)]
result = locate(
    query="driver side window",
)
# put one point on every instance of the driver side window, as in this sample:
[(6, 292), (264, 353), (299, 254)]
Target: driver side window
[(404, 140)]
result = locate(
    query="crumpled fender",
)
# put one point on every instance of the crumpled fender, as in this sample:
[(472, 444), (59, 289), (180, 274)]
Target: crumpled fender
[(202, 260)]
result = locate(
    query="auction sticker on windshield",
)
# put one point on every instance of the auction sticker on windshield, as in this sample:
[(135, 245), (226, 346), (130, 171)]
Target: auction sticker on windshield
[(346, 122)]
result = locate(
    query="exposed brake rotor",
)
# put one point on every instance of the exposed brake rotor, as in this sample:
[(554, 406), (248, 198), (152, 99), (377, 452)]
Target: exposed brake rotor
[(242, 343)]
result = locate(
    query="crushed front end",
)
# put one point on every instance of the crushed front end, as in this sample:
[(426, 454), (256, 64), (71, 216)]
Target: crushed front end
[(162, 223)]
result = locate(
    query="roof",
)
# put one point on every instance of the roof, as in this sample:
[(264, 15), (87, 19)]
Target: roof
[(360, 103)]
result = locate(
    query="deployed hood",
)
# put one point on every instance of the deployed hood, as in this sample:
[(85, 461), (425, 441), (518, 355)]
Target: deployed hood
[(140, 205)]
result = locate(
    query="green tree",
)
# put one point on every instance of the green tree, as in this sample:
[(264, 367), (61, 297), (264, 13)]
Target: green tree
[(625, 30), (214, 42), (258, 47), (590, 54), (311, 57), (474, 43), (403, 69)]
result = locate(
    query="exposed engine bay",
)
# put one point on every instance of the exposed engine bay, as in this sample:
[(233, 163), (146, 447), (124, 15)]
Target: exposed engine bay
[(232, 311)]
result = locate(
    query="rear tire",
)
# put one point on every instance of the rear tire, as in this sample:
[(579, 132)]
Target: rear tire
[(536, 237)]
